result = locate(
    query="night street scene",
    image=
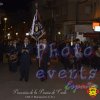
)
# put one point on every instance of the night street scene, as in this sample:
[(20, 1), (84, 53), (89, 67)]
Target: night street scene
[(49, 49)]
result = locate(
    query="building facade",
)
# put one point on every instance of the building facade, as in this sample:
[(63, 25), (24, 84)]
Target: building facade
[(66, 14)]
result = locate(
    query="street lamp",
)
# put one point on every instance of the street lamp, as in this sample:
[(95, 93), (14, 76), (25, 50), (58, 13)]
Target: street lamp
[(16, 33), (9, 36), (59, 33), (5, 19)]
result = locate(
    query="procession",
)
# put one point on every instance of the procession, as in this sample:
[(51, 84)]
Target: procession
[(20, 55), (49, 49)]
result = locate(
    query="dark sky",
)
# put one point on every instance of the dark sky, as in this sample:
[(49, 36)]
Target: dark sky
[(14, 5), (17, 11)]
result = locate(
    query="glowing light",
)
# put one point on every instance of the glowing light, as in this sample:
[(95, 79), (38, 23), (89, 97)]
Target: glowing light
[(5, 19), (8, 34), (1, 4), (97, 28), (71, 43), (27, 34), (24, 22), (17, 33), (59, 33), (95, 24)]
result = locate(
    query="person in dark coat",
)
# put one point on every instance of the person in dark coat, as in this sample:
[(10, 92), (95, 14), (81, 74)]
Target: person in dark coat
[(77, 54), (45, 58), (96, 59), (25, 60), (9, 48), (64, 59), (12, 53)]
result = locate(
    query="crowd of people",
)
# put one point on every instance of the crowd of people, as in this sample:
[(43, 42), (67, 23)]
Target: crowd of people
[(20, 54)]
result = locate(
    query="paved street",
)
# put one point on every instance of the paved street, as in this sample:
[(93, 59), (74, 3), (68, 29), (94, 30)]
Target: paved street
[(12, 89)]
